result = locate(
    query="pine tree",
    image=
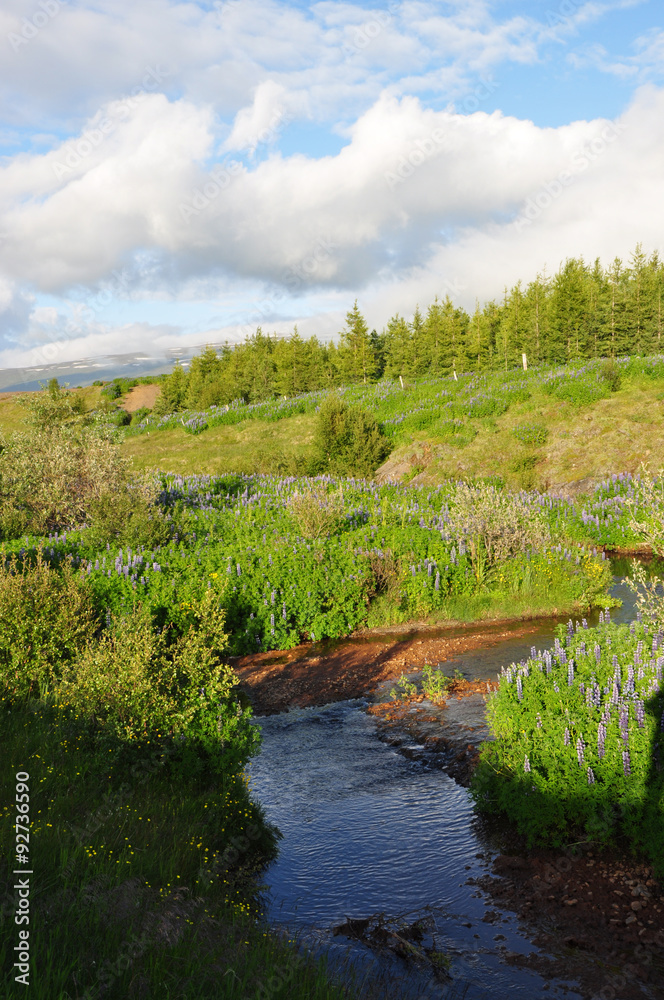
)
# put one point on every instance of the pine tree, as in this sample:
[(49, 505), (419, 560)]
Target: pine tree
[(398, 352), (358, 361)]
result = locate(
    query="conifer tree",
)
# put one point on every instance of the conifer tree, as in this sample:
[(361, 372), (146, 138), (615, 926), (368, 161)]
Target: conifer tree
[(356, 354)]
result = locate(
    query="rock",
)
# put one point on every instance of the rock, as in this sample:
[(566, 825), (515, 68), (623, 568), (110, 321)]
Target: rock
[(631, 919)]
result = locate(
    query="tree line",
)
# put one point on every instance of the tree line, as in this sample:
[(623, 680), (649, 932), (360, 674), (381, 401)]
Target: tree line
[(585, 311)]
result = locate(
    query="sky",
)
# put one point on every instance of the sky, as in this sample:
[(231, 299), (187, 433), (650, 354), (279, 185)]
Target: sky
[(178, 173)]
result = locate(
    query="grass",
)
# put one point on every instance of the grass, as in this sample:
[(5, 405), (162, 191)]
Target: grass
[(250, 446), (609, 435)]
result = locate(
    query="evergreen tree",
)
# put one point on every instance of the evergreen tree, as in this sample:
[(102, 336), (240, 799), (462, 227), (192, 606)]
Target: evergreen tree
[(173, 392), (356, 354), (398, 348)]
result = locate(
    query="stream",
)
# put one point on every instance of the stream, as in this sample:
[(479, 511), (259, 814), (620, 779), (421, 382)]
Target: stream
[(370, 827)]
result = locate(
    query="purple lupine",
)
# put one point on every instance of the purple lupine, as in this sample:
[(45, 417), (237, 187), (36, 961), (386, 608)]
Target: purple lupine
[(526, 764), (626, 765), (601, 739), (556, 689), (519, 688), (283, 611), (579, 751), (570, 673), (629, 686), (591, 776), (539, 721), (584, 623), (567, 737), (237, 567), (640, 713), (624, 724), (533, 653), (598, 653)]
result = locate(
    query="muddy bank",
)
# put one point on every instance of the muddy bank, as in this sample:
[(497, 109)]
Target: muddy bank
[(317, 674), (599, 918)]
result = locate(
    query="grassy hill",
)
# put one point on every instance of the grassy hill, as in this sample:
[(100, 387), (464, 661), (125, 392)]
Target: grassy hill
[(544, 428)]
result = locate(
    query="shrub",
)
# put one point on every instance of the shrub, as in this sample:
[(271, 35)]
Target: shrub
[(348, 440), (137, 680), (316, 511), (496, 525), (131, 514), (46, 616), (609, 372), (65, 476), (53, 407)]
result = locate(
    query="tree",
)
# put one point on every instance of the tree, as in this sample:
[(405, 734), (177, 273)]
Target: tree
[(356, 354), (173, 392)]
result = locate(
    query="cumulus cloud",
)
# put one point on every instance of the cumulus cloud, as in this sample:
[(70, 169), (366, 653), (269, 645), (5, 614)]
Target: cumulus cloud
[(407, 180)]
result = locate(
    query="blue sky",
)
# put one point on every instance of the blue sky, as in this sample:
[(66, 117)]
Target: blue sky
[(175, 173)]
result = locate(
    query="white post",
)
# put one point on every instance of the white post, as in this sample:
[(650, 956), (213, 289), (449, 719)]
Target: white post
[(455, 375), (525, 362), (401, 380)]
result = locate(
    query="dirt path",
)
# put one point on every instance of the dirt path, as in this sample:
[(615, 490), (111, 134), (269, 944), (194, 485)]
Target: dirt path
[(140, 395)]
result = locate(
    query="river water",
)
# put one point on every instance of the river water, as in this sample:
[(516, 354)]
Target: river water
[(366, 830)]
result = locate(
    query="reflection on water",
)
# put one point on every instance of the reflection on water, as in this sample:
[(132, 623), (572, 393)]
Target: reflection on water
[(366, 830)]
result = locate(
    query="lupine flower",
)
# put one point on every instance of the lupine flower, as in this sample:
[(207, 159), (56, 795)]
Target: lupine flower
[(526, 764), (624, 724), (579, 751), (570, 673), (567, 737), (436, 584), (626, 765), (519, 688), (601, 739), (640, 713), (591, 776)]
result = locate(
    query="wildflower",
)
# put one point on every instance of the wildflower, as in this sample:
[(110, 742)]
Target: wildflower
[(601, 739), (519, 688), (539, 721), (598, 653), (570, 673), (591, 776), (526, 764), (640, 714), (626, 764), (579, 751), (567, 737), (624, 725)]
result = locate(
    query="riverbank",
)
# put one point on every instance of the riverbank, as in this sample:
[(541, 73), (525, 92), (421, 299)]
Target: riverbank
[(320, 673)]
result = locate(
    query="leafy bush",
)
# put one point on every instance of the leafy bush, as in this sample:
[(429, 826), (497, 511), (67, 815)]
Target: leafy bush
[(578, 748), (137, 680), (131, 514), (609, 371), (48, 479), (46, 616), (496, 525), (348, 440), (53, 407)]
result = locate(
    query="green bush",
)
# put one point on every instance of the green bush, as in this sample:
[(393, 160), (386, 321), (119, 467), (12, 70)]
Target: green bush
[(577, 749), (610, 373), (137, 680), (348, 440), (46, 616)]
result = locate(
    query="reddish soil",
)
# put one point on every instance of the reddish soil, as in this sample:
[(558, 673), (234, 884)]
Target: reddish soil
[(315, 675)]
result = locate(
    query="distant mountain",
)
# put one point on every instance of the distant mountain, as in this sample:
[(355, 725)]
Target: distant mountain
[(87, 370)]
